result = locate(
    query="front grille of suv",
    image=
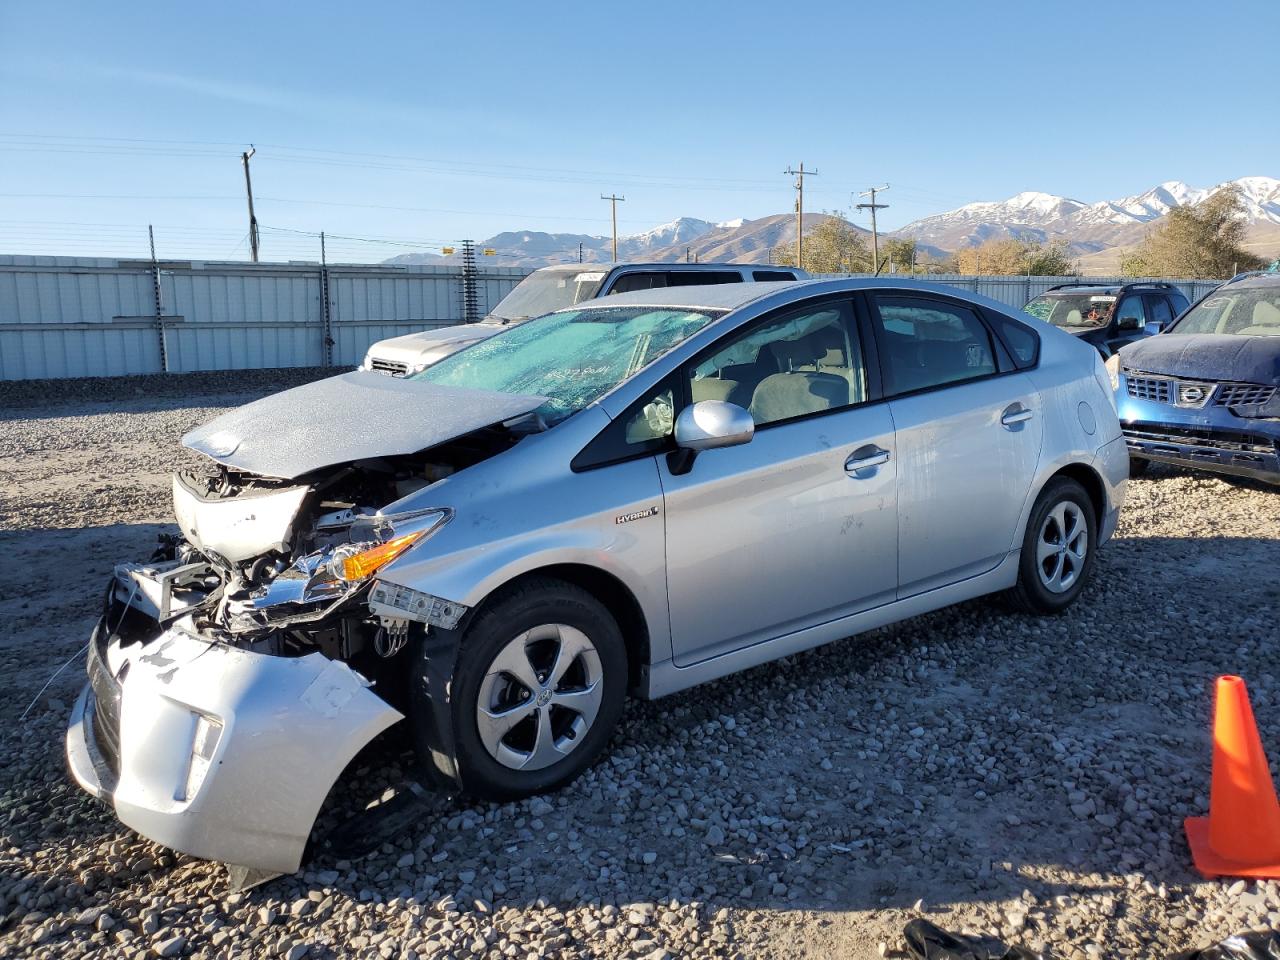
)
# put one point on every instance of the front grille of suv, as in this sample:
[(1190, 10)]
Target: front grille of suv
[(1149, 388), (1244, 394), (393, 368)]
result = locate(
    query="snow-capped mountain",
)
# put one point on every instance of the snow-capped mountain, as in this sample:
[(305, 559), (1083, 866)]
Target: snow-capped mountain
[(1086, 226), (682, 230)]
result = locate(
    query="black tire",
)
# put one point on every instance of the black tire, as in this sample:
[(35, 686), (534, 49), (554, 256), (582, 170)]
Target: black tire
[(1138, 466), (1031, 594), (531, 604)]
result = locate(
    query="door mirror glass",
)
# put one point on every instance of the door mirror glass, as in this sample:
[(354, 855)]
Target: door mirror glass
[(709, 424)]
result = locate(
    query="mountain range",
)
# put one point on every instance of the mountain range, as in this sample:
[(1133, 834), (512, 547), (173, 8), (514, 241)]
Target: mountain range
[(1097, 233)]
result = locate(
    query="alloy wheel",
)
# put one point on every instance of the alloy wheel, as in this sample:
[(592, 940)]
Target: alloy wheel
[(1062, 547), (539, 697)]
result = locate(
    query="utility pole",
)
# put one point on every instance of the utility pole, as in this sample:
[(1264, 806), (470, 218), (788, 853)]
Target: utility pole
[(248, 188), (613, 202), (579, 251), (875, 234), (800, 175)]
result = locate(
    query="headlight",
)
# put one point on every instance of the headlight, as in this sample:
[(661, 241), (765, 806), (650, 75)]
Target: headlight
[(354, 562), (1113, 370)]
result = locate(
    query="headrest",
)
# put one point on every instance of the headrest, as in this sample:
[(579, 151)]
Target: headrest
[(793, 354), (1266, 314)]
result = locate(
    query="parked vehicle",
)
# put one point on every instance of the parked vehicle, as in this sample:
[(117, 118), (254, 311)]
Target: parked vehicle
[(632, 495), (1109, 315), (553, 288), (1206, 393)]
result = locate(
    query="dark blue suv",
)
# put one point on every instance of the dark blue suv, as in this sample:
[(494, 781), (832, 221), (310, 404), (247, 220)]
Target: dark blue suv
[(1206, 392), (1109, 315)]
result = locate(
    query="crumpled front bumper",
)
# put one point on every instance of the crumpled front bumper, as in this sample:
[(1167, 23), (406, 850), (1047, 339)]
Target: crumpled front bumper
[(215, 751)]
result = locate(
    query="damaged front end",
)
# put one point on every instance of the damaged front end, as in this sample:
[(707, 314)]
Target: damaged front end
[(235, 675)]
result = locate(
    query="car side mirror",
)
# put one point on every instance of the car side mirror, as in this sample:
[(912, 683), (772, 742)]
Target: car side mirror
[(1130, 323), (706, 425)]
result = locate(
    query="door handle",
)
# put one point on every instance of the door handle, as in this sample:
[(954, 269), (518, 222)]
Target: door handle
[(1015, 415), (864, 458)]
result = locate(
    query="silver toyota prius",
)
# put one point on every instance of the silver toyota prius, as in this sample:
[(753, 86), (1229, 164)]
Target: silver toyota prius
[(629, 496)]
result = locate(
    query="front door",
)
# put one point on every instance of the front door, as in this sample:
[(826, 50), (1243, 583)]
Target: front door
[(798, 527), (968, 430)]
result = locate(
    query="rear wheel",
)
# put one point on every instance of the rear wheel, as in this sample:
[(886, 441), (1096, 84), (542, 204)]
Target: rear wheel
[(1057, 549), (539, 688)]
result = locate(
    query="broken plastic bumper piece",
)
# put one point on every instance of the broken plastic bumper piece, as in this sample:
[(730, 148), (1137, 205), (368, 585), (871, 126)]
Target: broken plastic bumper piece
[(216, 751)]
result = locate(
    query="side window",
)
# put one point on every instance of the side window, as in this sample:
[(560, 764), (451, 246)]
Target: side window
[(645, 428), (638, 281), (1159, 315), (1131, 308), (693, 278), (1020, 339), (928, 343), (771, 276), (803, 362)]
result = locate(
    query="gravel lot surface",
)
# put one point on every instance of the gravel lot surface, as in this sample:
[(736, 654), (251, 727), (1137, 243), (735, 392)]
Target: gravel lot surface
[(990, 771)]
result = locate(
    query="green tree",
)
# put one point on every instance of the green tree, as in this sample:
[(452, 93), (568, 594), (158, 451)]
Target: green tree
[(1204, 241), (832, 246), (900, 253)]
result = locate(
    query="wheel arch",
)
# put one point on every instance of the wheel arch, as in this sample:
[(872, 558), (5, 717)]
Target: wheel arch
[(1088, 478), (610, 591)]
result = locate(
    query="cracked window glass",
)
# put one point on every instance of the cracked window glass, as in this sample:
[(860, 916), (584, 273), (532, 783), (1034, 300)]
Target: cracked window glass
[(573, 357)]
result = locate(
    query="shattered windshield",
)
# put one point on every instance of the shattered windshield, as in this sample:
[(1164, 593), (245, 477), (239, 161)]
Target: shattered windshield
[(1077, 310), (573, 357), (1243, 312), (546, 290)]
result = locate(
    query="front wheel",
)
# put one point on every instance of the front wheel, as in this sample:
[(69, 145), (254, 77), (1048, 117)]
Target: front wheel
[(539, 688), (1057, 549)]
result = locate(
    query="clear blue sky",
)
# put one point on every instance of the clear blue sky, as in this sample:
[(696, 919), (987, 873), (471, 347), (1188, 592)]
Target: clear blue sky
[(430, 122)]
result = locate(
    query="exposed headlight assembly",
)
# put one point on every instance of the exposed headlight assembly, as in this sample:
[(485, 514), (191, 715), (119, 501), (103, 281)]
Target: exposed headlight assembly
[(319, 583)]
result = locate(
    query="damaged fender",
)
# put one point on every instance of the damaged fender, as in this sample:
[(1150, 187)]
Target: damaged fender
[(219, 752)]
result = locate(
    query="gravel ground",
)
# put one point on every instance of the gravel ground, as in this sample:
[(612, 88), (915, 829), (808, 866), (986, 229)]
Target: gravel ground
[(990, 771)]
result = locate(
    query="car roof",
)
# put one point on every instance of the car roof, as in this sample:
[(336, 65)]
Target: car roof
[(731, 296), (655, 265)]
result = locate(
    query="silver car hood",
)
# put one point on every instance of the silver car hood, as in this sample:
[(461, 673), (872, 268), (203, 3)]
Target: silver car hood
[(355, 416)]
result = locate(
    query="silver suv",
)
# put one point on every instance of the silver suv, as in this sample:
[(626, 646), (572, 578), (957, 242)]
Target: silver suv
[(553, 288), (635, 495)]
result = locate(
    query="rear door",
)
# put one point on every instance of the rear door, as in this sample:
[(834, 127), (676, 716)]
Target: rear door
[(968, 432)]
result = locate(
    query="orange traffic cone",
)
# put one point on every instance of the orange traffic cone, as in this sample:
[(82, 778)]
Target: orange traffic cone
[(1241, 835)]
